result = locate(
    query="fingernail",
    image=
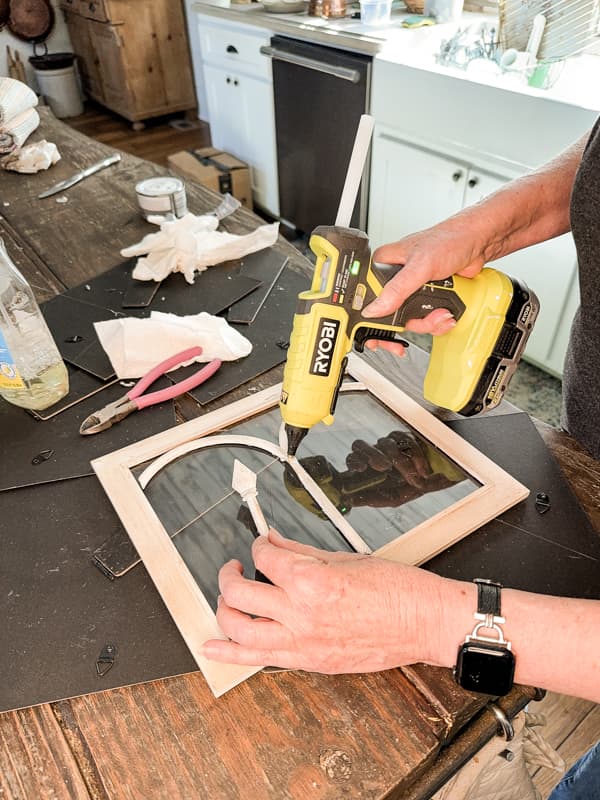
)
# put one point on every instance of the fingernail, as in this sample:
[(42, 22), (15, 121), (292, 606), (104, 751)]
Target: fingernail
[(446, 315), (444, 327), (373, 309), (206, 650)]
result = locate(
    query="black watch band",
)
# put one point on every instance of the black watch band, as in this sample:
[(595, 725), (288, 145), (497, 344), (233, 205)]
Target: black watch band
[(485, 662), (488, 597)]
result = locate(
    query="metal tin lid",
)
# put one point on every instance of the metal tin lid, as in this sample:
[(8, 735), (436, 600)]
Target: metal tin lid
[(158, 187)]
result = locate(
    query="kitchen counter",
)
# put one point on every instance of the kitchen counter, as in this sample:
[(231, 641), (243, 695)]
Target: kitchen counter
[(346, 33), (577, 79)]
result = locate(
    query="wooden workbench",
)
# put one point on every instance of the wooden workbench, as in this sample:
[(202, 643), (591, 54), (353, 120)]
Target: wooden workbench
[(397, 734)]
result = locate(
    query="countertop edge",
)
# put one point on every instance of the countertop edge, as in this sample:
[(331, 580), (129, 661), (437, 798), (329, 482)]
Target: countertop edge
[(300, 30)]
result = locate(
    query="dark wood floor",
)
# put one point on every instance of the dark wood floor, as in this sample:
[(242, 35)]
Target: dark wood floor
[(155, 142)]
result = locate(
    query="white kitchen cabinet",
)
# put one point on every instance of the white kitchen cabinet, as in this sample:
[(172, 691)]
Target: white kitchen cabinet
[(432, 157), (238, 87), (413, 188), (410, 188)]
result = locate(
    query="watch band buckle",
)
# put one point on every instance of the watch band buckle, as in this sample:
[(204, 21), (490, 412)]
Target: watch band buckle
[(475, 635)]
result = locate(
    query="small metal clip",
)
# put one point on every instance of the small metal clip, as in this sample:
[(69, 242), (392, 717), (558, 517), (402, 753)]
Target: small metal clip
[(505, 727), (542, 502), (283, 344), (106, 659), (74, 339), (42, 456)]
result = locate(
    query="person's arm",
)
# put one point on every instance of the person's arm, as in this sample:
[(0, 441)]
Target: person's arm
[(556, 640), (340, 613), (527, 210)]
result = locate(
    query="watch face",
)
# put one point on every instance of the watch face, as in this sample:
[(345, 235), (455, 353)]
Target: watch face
[(485, 668)]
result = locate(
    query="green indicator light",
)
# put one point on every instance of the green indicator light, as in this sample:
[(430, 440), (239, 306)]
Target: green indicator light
[(355, 268)]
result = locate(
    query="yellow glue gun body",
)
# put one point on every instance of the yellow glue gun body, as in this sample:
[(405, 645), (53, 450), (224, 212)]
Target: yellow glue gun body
[(469, 367)]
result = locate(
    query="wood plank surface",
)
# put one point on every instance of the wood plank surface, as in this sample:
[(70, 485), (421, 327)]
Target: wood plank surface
[(572, 727), (584, 736), (43, 283), (35, 759), (581, 470), (563, 715), (155, 143), (281, 735), (82, 237), (454, 706)]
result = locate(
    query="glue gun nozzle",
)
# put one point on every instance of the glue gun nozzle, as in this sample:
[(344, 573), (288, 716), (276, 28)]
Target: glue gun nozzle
[(294, 437)]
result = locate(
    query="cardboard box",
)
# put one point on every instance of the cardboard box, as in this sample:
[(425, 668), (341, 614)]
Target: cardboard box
[(216, 169)]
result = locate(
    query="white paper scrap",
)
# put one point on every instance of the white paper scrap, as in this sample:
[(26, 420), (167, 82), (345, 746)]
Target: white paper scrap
[(134, 346), (191, 244)]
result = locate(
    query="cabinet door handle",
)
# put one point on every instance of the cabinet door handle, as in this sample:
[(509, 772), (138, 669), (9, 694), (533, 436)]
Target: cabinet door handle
[(473, 182), (232, 49), (456, 176)]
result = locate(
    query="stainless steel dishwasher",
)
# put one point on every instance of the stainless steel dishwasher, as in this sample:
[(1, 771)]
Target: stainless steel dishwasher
[(320, 93)]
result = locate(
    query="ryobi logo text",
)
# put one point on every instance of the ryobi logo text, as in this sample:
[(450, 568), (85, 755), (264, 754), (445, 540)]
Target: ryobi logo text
[(323, 352)]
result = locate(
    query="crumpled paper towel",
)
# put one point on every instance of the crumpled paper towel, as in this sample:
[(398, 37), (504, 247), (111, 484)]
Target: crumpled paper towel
[(134, 346), (191, 244), (31, 158)]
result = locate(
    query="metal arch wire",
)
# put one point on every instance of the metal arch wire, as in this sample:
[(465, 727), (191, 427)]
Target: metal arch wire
[(256, 443)]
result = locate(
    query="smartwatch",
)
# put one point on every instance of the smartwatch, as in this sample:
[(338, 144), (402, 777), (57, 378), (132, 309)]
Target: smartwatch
[(485, 662)]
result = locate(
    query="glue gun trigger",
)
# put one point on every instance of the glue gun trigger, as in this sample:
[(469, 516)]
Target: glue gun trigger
[(363, 334)]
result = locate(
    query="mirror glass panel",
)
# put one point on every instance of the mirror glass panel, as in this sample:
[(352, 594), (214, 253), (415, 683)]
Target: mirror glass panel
[(379, 473)]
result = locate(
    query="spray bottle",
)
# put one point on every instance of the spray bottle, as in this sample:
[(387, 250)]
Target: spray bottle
[(32, 372)]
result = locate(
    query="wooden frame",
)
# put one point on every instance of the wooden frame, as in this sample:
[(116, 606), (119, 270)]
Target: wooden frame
[(183, 597)]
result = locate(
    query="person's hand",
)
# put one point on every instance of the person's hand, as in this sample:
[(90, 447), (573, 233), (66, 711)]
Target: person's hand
[(326, 612), (432, 254)]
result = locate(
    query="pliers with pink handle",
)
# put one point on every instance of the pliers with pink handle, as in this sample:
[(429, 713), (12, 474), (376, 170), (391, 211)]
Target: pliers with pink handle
[(135, 399)]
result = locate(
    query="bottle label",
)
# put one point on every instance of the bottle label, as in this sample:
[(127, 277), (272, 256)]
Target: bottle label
[(9, 374)]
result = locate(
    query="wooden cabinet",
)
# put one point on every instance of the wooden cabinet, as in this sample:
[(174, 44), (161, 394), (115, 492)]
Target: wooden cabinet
[(87, 61), (460, 145), (132, 54), (238, 83)]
